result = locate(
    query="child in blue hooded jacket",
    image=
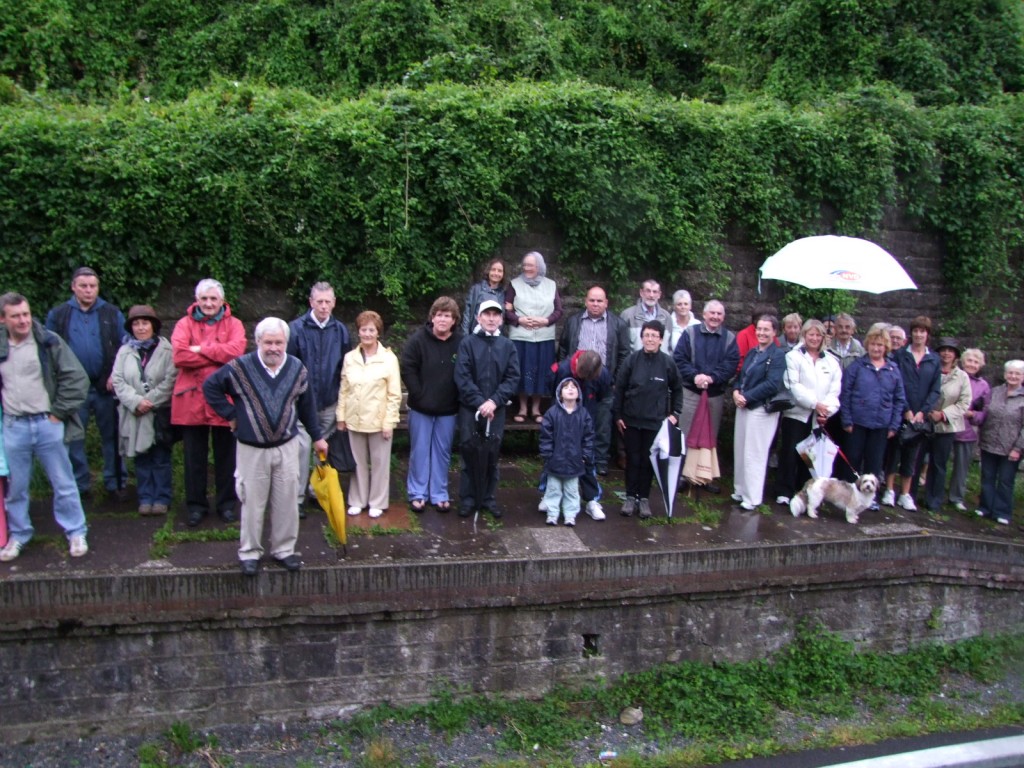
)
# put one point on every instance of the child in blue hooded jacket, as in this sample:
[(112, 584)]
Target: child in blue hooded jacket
[(567, 447)]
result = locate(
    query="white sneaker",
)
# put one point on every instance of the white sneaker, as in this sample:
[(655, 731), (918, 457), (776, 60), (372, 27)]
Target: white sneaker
[(375, 513), (960, 506), (11, 551), (736, 497), (353, 511), (594, 510), (783, 500), (889, 498), (78, 546), (542, 506), (907, 502)]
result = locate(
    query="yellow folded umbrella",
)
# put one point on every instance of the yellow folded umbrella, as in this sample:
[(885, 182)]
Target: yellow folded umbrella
[(327, 487)]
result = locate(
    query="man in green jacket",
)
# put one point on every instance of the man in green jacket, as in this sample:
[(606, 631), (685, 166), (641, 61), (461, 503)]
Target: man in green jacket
[(42, 386)]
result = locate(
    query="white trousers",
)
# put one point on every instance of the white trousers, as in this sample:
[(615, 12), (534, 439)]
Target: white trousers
[(755, 430)]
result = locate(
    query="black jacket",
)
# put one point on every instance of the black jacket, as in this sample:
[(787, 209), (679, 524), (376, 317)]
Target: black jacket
[(647, 390), (428, 370), (487, 368), (617, 347)]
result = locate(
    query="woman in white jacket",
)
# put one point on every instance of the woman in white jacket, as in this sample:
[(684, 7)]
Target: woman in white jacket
[(815, 379)]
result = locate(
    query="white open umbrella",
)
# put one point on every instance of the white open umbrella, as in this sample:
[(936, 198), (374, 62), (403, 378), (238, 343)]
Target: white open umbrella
[(838, 263)]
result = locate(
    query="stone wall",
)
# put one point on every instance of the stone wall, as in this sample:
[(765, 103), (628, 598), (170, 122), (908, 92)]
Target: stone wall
[(1000, 333), (112, 653)]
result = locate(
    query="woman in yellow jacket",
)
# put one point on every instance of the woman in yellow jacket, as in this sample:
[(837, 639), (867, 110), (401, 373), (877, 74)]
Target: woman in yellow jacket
[(368, 402)]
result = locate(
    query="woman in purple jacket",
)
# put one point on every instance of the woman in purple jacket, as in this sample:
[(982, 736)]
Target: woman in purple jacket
[(871, 404), (966, 441)]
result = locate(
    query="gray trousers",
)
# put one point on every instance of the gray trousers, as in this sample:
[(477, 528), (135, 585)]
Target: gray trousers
[(265, 480), (963, 455)]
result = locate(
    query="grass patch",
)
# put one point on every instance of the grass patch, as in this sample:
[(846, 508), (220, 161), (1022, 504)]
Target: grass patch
[(729, 711), (166, 538)]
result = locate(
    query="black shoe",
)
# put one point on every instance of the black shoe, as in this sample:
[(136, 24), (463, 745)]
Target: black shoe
[(302, 511), (195, 517), (117, 494), (602, 471), (250, 567), (713, 488), (291, 562), (465, 511), (228, 515), (495, 512)]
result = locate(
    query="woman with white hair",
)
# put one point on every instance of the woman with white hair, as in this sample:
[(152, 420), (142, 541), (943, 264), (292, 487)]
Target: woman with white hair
[(1002, 443), (532, 308), (680, 318), (206, 338), (966, 440)]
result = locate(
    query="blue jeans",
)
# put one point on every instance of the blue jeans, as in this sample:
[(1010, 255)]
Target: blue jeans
[(153, 475), (430, 453), (37, 437), (997, 476), (104, 407)]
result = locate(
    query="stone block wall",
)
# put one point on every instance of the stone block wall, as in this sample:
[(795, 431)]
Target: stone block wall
[(141, 651), (921, 252)]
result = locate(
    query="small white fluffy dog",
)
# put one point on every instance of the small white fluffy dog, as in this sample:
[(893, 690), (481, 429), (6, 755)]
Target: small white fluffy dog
[(852, 498)]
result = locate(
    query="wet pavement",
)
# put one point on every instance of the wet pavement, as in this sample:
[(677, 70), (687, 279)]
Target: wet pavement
[(122, 541)]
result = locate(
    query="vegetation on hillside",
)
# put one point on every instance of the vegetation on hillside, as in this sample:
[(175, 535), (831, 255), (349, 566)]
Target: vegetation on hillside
[(398, 142), (940, 51)]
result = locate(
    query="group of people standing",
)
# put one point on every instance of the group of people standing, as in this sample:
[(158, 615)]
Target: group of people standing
[(615, 379)]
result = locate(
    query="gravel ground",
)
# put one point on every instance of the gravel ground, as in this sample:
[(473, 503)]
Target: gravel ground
[(413, 744)]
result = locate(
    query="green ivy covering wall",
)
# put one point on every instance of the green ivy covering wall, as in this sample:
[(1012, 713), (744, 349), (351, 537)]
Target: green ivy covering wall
[(940, 51), (404, 191)]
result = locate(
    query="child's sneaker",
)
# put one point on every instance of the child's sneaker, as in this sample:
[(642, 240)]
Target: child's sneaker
[(594, 510), (543, 506), (552, 521), (570, 522)]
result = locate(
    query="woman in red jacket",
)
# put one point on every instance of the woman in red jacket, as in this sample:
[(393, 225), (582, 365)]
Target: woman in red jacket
[(206, 338)]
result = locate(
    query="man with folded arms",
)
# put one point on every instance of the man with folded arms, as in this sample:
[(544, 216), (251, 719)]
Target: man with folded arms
[(269, 395)]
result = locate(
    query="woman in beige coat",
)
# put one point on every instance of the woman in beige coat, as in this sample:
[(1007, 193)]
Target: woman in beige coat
[(368, 402), (143, 378)]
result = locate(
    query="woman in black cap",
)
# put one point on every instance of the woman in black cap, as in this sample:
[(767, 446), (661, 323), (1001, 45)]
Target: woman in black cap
[(948, 417), (144, 376)]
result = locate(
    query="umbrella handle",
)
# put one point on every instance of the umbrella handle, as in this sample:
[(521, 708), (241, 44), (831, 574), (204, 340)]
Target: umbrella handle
[(487, 426)]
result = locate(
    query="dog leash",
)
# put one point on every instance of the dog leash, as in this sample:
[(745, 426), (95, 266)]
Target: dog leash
[(856, 474)]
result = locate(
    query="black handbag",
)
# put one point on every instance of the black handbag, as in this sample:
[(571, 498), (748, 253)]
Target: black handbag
[(915, 430), (165, 433), (781, 401)]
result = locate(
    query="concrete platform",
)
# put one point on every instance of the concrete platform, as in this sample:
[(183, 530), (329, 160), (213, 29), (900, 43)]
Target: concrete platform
[(121, 541)]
